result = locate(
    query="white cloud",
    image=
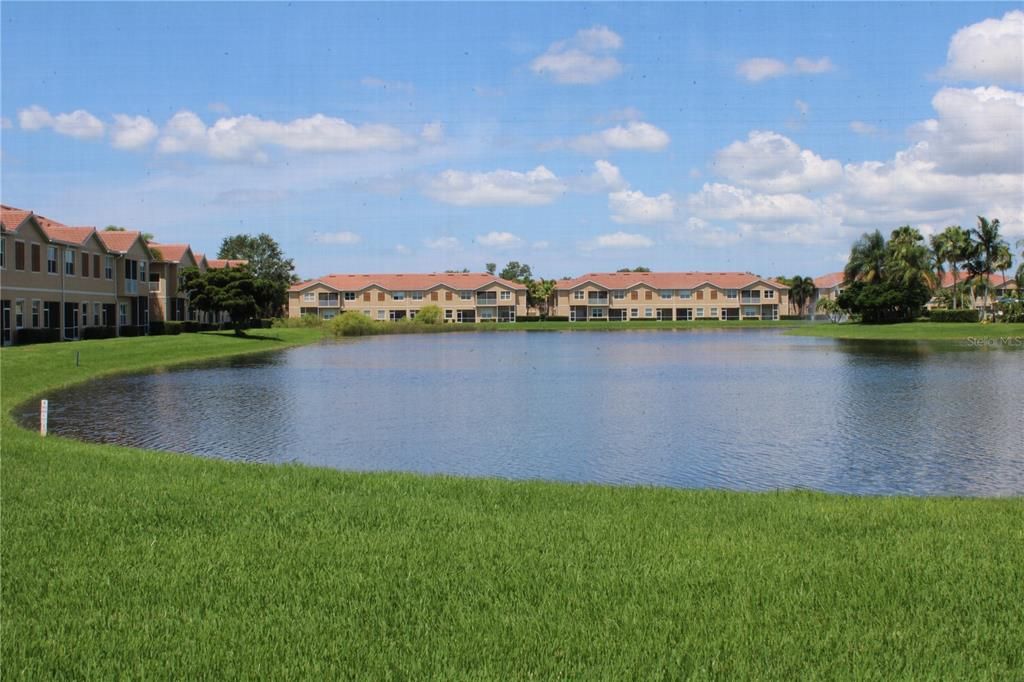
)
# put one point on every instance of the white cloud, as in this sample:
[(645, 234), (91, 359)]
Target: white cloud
[(762, 68), (583, 59), (132, 132), (433, 132), (381, 84), (78, 124), (343, 238), (607, 177), (244, 137), (499, 240), (219, 108), (441, 243), (717, 201), (496, 188), (634, 136), (771, 162), (862, 128), (621, 240), (634, 207), (991, 51)]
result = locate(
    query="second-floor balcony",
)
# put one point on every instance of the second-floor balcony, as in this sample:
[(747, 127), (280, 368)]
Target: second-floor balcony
[(751, 297), (328, 301), (487, 298), (598, 299)]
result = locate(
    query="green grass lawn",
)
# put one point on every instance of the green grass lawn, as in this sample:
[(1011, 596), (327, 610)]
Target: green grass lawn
[(914, 331), (126, 563)]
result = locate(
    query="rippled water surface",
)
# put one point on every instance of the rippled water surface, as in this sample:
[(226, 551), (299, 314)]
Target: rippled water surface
[(743, 409)]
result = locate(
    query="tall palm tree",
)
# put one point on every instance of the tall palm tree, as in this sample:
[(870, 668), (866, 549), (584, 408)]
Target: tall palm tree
[(801, 290), (867, 259), (988, 243), (908, 260), (952, 246), (1003, 260)]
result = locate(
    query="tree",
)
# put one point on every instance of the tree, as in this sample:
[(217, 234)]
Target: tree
[(830, 307), (491, 268), (230, 290), (988, 245), (430, 314), (889, 282), (266, 262), (539, 292), (953, 246), (867, 259), (517, 272), (801, 290), (907, 259), (639, 268)]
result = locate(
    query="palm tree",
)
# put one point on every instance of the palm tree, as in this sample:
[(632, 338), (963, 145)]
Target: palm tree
[(867, 259), (801, 290), (952, 246), (988, 244), (908, 260)]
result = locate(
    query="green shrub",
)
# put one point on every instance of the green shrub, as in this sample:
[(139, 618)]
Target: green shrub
[(352, 323), (90, 333), (170, 328), (529, 318), (430, 314), (1012, 312), (156, 328), (307, 320), (45, 335), (131, 330), (557, 318), (792, 317), (944, 315)]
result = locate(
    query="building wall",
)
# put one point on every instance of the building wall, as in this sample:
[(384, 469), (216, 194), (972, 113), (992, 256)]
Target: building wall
[(646, 301), (380, 304)]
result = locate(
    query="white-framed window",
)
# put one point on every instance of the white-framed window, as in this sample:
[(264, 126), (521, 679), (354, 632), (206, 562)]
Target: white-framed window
[(36, 305), (329, 314), (505, 295), (448, 314), (666, 295), (142, 271), (769, 293), (700, 312), (51, 260), (85, 315), (97, 313), (730, 293), (634, 312), (619, 294), (122, 314), (685, 293), (19, 314), (46, 316), (648, 312), (69, 262), (597, 313), (382, 314), (350, 295), (108, 267), (367, 313), (398, 295), (466, 295), (714, 312), (417, 296), (309, 297), (579, 294)]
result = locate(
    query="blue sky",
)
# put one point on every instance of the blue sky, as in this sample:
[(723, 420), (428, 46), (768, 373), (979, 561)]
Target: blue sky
[(574, 137)]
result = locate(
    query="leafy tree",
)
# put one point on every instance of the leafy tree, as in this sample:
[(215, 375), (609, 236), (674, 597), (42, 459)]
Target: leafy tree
[(639, 268), (463, 270), (890, 282), (988, 249), (491, 268), (430, 314), (517, 272), (867, 259), (230, 290), (953, 246), (267, 262), (831, 308), (801, 290), (539, 292), (907, 259)]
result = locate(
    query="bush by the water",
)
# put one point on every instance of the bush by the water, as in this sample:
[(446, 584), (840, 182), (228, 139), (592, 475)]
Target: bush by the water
[(944, 315), (430, 314), (307, 320), (352, 323)]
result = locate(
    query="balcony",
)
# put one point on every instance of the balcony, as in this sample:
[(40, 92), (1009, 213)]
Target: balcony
[(597, 299), (751, 299), (487, 299), (328, 301)]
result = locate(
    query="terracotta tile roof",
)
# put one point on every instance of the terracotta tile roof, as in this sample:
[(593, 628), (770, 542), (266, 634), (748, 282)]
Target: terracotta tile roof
[(117, 241), (409, 282), (170, 253), (996, 279), (63, 233), (833, 279), (219, 263), (11, 218), (668, 280)]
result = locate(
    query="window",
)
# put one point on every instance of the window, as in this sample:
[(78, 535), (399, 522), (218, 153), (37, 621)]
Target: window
[(122, 311), (648, 312), (634, 312), (366, 295), (308, 297), (730, 293), (769, 293), (69, 262), (466, 295), (506, 295), (448, 314), (85, 264), (700, 311), (328, 299), (665, 295), (396, 315), (97, 311), (398, 295), (85, 315), (417, 295), (51, 260), (46, 315), (579, 294), (36, 305), (714, 312), (350, 295), (19, 314), (684, 293), (412, 314), (37, 258), (433, 295), (380, 295), (142, 271), (105, 315), (381, 314), (447, 295), (329, 314), (108, 267), (366, 312)]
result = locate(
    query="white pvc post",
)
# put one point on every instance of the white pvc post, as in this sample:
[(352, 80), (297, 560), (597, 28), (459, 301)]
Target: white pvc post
[(44, 409)]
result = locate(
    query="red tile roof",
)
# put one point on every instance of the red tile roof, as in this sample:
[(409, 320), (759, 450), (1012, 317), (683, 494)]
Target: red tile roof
[(118, 241), (219, 263), (63, 233), (409, 282), (833, 279), (170, 253), (995, 280), (668, 280), (11, 218)]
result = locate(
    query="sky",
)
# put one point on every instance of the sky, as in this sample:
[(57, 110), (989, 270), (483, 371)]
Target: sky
[(369, 137)]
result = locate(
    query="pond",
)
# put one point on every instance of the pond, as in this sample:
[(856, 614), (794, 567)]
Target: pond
[(736, 409)]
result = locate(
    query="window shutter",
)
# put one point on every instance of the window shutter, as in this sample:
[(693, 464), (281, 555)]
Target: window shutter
[(700, 295), (433, 295), (380, 295), (447, 295), (85, 264), (37, 258), (714, 295), (648, 295), (19, 255), (366, 295), (634, 295), (96, 266)]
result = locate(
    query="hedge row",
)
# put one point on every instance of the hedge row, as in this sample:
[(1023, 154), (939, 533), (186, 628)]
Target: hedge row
[(945, 315), (44, 335)]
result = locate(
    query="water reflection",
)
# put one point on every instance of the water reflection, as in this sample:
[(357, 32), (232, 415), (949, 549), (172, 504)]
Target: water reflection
[(745, 409)]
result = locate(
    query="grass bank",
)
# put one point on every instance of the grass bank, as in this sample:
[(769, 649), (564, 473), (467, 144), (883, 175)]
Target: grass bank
[(914, 331), (126, 563)]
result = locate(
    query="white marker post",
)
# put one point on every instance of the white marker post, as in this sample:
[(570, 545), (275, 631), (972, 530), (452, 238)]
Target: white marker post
[(44, 409)]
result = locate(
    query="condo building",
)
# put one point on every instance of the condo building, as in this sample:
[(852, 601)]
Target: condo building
[(462, 296), (621, 296)]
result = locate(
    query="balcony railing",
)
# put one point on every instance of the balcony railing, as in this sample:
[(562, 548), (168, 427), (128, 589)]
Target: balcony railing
[(751, 300), (326, 302), (597, 300)]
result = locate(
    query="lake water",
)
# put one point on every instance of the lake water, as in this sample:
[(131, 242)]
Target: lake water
[(738, 409)]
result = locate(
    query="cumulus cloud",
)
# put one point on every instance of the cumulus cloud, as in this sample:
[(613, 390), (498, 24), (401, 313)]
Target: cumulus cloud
[(606, 177), (620, 240), (499, 240), (441, 243), (634, 136), (763, 68), (496, 188), (991, 51), (634, 207), (132, 132), (245, 137), (342, 238), (583, 59), (727, 202), (78, 124), (770, 162)]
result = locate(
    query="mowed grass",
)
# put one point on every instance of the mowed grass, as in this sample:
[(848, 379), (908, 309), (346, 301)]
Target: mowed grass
[(915, 331), (126, 563)]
